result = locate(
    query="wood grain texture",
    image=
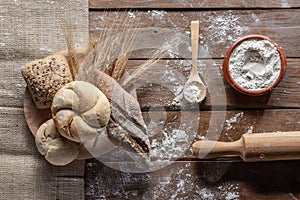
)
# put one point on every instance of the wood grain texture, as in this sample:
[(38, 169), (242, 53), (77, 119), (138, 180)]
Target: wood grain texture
[(184, 179), (220, 26), (158, 87), (197, 180), (192, 4), (228, 126), (206, 180), (258, 147), (218, 29)]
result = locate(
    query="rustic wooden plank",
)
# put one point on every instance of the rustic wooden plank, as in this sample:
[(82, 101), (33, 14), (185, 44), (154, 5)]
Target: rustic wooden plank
[(230, 125), (205, 180), (218, 29), (197, 180), (158, 87), (102, 4), (278, 180), (12, 85), (17, 139), (193, 126)]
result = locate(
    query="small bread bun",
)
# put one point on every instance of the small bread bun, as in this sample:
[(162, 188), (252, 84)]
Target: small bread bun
[(45, 77), (56, 149), (80, 111)]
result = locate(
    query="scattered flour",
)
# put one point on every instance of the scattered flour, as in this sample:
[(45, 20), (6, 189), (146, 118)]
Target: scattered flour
[(255, 64), (181, 181), (232, 195), (207, 194), (177, 95), (131, 15), (250, 130), (224, 28), (200, 137), (169, 76), (230, 191), (157, 14), (178, 89), (255, 18), (232, 120), (46, 49), (171, 146), (177, 100), (285, 4)]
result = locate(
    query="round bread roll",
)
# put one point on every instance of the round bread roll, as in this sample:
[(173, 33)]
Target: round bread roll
[(80, 111), (56, 149)]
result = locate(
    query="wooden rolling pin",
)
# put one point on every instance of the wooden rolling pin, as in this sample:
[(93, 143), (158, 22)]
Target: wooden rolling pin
[(253, 147)]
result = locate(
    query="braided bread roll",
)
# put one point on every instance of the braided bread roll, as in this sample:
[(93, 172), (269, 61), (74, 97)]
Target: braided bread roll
[(80, 110)]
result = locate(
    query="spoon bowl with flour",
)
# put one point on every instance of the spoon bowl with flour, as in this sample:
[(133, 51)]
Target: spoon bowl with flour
[(254, 65), (194, 90)]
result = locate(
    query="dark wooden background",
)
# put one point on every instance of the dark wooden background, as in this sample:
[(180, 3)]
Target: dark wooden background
[(221, 23)]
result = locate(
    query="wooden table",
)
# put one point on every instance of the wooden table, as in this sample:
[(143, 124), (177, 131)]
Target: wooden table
[(220, 25), (27, 30)]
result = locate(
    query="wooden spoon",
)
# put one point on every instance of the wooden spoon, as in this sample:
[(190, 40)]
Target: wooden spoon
[(253, 147), (194, 90)]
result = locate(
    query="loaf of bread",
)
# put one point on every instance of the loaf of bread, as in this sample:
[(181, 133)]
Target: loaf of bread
[(45, 77)]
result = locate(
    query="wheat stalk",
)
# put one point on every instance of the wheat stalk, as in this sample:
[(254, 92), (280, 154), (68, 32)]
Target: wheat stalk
[(68, 28), (143, 68), (128, 38), (112, 43), (110, 52), (72, 52)]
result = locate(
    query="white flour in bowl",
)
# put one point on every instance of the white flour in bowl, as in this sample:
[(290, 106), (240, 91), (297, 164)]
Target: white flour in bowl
[(255, 64)]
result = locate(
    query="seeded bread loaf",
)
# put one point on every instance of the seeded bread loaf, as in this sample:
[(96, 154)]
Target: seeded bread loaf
[(45, 77)]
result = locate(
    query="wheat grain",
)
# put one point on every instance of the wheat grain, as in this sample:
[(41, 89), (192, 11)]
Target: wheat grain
[(143, 68)]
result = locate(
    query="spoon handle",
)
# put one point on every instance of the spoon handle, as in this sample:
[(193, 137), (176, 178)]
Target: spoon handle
[(194, 41), (253, 147)]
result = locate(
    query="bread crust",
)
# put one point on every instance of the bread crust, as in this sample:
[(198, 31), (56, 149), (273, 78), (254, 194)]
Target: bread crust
[(45, 77)]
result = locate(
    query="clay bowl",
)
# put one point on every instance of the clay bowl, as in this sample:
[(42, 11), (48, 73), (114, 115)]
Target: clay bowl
[(239, 88)]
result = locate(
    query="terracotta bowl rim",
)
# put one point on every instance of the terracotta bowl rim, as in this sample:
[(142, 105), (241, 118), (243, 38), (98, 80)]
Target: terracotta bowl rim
[(236, 86)]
